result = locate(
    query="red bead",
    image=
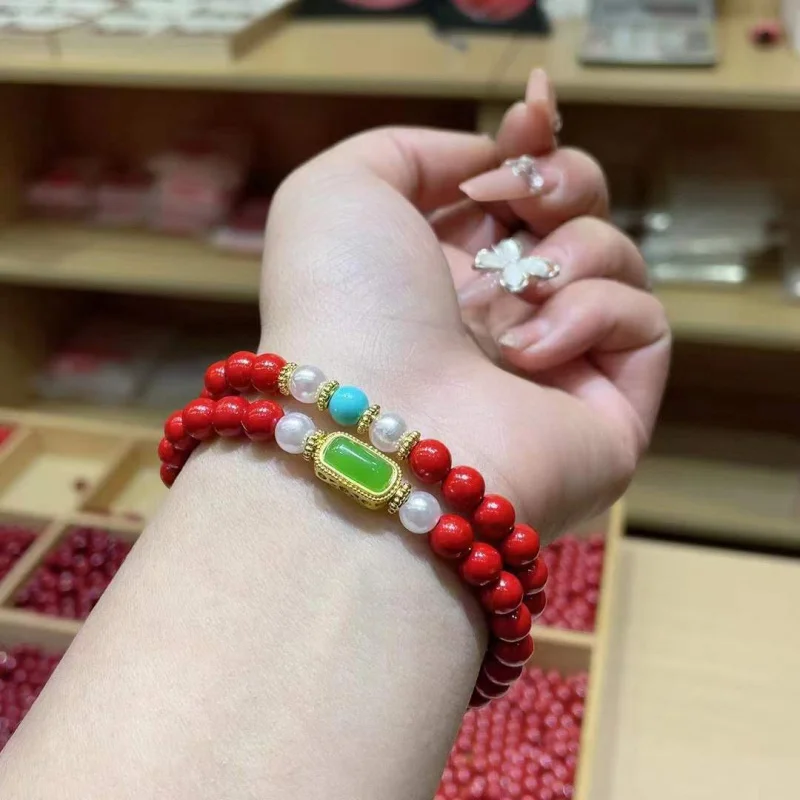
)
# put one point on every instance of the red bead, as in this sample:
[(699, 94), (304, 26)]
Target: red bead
[(521, 546), (482, 565), (534, 577), (168, 474), (228, 416), (503, 596), (169, 454), (511, 627), (463, 488), (197, 417), (260, 420), (512, 654), (239, 369), (536, 603), (175, 432), (494, 518), (215, 381), (451, 537), (488, 688), (430, 461), (266, 371), (501, 673)]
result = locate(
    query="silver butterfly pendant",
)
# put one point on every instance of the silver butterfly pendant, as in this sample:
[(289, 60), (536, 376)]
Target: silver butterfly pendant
[(515, 271)]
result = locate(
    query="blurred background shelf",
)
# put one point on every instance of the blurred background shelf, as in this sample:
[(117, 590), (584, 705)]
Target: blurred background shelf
[(409, 58)]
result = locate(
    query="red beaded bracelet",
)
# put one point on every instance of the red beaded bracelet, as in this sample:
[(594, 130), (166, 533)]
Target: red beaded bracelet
[(513, 600)]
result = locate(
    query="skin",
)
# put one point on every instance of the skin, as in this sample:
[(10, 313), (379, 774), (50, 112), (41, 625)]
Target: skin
[(267, 639)]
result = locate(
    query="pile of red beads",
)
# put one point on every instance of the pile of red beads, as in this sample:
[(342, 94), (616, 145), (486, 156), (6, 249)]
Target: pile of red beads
[(5, 432), (74, 575), (573, 590), (24, 670), (522, 747), (14, 541)]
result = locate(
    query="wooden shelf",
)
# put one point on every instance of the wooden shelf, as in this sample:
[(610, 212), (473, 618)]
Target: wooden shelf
[(408, 58), (82, 257), (729, 486), (53, 254)]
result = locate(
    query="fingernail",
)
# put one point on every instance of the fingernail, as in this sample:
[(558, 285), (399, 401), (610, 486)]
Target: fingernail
[(504, 184), (540, 90), (524, 337), (479, 292)]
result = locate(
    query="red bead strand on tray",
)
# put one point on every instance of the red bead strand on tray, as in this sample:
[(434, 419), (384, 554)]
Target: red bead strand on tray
[(14, 541)]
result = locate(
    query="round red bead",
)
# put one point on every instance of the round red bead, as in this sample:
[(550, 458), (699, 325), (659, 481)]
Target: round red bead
[(494, 518), (228, 416), (534, 577), (511, 627), (238, 370), (488, 688), (215, 381), (463, 488), (168, 474), (260, 420), (478, 700), (197, 417), (430, 461), (169, 454), (452, 537), (536, 603), (482, 565), (503, 595), (501, 673), (512, 654), (176, 433), (521, 546), (266, 371)]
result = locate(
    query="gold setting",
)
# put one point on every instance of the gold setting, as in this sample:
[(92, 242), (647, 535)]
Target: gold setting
[(285, 377), (312, 443), (367, 418), (407, 444), (364, 497), (324, 394), (399, 497)]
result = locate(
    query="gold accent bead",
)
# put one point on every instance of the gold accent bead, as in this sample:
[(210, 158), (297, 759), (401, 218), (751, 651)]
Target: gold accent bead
[(401, 494), (285, 377), (324, 394), (312, 443), (407, 444), (367, 418)]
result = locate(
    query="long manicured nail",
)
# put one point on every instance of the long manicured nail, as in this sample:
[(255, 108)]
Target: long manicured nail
[(540, 90), (480, 291), (511, 182)]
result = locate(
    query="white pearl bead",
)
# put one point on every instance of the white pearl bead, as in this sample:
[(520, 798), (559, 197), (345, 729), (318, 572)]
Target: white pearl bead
[(420, 513), (292, 430), (305, 382), (385, 433)]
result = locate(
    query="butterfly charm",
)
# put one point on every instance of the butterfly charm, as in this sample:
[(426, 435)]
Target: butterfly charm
[(515, 271)]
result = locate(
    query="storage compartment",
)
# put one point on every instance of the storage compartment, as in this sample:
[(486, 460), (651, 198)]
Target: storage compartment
[(52, 473), (134, 489)]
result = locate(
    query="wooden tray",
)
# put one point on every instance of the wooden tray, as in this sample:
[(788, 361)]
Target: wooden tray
[(46, 454)]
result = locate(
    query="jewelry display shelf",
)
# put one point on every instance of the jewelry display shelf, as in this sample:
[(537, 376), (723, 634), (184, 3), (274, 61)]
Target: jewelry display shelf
[(57, 473)]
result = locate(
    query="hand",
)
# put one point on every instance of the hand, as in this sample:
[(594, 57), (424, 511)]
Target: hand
[(358, 281)]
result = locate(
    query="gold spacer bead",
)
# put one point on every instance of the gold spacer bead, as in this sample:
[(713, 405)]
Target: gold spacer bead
[(285, 377), (324, 394), (367, 418), (399, 497), (312, 443), (407, 444)]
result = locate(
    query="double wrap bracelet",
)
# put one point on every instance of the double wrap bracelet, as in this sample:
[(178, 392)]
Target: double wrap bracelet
[(493, 553)]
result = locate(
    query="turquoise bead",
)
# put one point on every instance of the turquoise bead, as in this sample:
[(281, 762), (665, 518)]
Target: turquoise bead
[(348, 404)]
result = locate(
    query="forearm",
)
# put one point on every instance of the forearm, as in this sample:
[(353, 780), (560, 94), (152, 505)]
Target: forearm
[(264, 638)]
